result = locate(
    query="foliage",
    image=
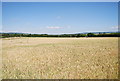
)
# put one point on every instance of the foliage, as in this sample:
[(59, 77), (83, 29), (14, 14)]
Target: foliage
[(4, 35)]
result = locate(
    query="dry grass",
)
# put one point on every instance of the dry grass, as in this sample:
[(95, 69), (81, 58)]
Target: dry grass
[(0, 59), (60, 58)]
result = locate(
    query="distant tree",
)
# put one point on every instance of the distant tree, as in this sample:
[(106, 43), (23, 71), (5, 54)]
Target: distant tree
[(116, 34), (90, 35)]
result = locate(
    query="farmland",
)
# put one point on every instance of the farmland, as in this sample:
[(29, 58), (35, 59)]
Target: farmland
[(60, 58)]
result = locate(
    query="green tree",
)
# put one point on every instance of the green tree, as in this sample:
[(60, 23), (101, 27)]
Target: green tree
[(90, 35)]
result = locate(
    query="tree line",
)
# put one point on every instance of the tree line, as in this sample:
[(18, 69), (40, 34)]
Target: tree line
[(5, 35)]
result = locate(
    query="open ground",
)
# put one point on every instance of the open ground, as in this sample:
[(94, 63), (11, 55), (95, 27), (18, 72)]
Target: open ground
[(60, 58)]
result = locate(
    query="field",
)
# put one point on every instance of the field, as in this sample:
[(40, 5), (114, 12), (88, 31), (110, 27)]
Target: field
[(60, 58)]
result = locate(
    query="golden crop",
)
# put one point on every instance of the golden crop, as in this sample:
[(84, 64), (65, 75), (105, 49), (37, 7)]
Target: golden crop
[(60, 58)]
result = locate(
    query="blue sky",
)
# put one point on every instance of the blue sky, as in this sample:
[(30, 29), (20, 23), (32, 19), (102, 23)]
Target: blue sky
[(59, 17), (0, 16), (60, 0)]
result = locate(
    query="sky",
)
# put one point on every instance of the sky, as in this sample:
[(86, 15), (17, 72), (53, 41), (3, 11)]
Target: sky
[(0, 16), (60, 0), (59, 17)]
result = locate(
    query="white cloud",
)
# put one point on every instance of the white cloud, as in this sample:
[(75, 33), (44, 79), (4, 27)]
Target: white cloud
[(115, 27), (54, 27)]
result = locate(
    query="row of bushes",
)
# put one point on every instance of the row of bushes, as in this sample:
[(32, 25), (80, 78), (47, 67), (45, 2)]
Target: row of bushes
[(4, 35)]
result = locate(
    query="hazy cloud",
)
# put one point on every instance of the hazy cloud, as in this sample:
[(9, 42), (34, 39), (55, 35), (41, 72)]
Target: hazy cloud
[(9, 31), (54, 27), (68, 26), (115, 27), (58, 17)]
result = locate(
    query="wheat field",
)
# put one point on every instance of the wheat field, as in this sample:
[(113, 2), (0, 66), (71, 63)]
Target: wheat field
[(59, 58)]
